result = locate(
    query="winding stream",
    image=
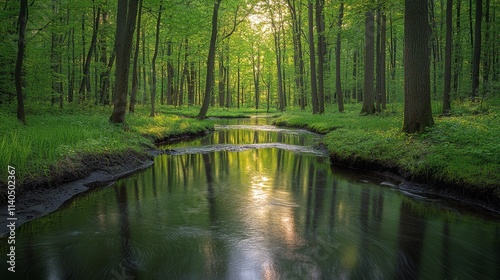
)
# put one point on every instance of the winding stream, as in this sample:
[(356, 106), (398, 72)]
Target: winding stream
[(252, 201)]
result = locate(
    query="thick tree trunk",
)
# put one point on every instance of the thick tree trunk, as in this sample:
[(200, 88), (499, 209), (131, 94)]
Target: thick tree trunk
[(210, 63), (368, 106), (125, 24), (417, 106), (338, 86), (447, 61), (23, 19)]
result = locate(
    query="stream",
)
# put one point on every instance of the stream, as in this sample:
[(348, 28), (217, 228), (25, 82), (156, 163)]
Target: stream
[(253, 201)]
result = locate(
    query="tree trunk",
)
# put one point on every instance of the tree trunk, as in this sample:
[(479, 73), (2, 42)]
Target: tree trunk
[(417, 105), (153, 62), (447, 61), (338, 86), (477, 49), (378, 71), (86, 68), (312, 59), (368, 106), (256, 75), (125, 24), (210, 63), (458, 51), (320, 30), (135, 79), (170, 74), (383, 56), (23, 19)]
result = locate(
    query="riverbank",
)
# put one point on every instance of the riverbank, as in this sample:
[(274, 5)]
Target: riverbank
[(458, 157)]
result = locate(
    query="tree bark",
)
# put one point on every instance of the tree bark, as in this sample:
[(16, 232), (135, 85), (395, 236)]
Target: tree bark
[(135, 79), (447, 60), (312, 59), (417, 105), (477, 49), (368, 106), (153, 62), (338, 86), (320, 30), (86, 68), (210, 63), (125, 24)]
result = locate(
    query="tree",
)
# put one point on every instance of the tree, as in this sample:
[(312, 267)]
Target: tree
[(210, 63), (447, 61), (338, 87), (23, 19), (312, 59), (477, 49), (135, 79), (368, 106), (320, 30), (125, 24), (417, 103), (153, 62)]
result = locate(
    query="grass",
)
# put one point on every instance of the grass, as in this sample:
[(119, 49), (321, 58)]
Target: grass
[(54, 138), (460, 150)]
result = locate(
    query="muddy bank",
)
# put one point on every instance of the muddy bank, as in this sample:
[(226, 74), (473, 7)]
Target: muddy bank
[(37, 197), (468, 196)]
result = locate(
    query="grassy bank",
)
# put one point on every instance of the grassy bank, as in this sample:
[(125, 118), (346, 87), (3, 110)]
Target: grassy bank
[(58, 142), (461, 150)]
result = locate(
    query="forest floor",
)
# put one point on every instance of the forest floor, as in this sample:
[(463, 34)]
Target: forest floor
[(458, 157)]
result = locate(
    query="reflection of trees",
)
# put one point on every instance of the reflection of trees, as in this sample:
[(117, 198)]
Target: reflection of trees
[(410, 242), (446, 250), (124, 229), (210, 188), (319, 184)]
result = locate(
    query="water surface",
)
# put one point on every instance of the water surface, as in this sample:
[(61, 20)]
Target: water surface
[(251, 201)]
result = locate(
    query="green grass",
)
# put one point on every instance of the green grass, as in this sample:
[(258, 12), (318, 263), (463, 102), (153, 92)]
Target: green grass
[(53, 138), (462, 149)]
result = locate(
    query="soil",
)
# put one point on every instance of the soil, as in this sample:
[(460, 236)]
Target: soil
[(38, 197)]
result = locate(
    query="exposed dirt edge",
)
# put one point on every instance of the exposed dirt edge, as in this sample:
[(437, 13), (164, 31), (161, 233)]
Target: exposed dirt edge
[(40, 196), (486, 198)]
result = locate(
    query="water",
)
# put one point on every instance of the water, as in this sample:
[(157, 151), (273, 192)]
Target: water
[(271, 207)]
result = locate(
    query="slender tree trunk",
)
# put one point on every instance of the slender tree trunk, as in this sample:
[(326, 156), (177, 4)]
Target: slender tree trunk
[(368, 106), (355, 75), (477, 49), (338, 86), (222, 78), (447, 61), (86, 68), (210, 63), (170, 74), (135, 79), (125, 24), (153, 62), (378, 64), (383, 57), (458, 50), (105, 100), (312, 59), (23, 19), (417, 105), (487, 52), (321, 55)]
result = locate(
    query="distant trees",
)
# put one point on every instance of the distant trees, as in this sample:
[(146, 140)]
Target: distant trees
[(310, 54)]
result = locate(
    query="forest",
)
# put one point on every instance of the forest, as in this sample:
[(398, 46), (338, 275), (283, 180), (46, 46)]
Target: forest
[(403, 84)]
